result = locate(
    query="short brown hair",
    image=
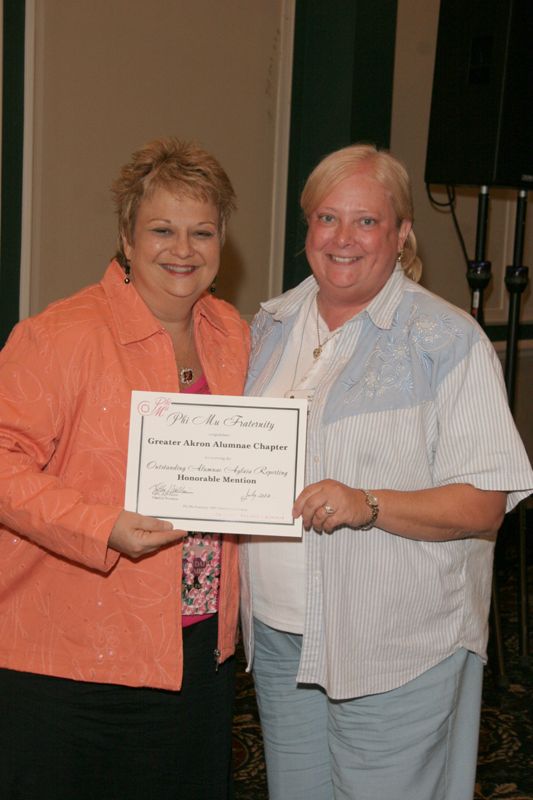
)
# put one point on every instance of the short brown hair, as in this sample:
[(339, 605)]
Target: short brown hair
[(386, 169), (179, 166)]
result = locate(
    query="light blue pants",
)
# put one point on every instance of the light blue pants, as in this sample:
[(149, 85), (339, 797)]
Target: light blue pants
[(417, 742)]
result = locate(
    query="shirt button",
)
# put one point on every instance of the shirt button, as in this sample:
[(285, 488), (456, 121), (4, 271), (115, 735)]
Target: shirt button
[(316, 459)]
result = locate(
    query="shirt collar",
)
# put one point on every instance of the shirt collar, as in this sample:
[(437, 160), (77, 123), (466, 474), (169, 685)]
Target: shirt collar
[(133, 318), (381, 309), (290, 302)]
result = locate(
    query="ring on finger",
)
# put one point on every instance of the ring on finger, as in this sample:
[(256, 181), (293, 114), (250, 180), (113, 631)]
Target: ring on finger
[(329, 509)]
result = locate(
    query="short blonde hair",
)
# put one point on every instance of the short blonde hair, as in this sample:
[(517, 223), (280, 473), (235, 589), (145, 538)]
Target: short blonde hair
[(180, 166), (386, 169)]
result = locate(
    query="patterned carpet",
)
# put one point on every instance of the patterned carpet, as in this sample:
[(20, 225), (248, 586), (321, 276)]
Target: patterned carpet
[(505, 764)]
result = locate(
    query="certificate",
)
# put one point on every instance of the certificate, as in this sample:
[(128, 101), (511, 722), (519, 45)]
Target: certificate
[(217, 464)]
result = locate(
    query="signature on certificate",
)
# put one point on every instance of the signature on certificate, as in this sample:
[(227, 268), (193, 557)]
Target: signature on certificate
[(167, 491)]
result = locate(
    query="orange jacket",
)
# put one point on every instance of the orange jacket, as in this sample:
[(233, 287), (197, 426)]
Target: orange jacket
[(69, 606)]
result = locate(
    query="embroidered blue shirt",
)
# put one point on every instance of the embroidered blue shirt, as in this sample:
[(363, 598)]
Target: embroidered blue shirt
[(413, 399)]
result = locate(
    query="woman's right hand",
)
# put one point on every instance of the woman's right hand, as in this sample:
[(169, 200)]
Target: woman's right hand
[(137, 536)]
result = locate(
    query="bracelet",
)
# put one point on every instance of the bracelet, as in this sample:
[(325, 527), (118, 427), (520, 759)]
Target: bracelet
[(372, 503)]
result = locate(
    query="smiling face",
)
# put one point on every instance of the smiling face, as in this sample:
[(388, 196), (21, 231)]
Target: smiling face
[(353, 241), (175, 252)]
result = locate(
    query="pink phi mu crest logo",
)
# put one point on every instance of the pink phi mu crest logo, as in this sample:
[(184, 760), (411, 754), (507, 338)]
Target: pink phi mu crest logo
[(153, 408)]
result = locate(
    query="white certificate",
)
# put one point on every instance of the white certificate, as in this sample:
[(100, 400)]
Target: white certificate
[(217, 464)]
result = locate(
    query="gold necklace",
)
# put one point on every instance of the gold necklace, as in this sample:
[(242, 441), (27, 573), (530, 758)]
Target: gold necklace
[(187, 373), (317, 352)]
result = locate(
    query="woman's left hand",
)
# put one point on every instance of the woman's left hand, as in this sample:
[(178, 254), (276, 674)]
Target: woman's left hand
[(328, 504)]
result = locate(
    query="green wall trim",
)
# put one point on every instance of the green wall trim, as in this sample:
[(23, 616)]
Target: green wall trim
[(12, 149), (498, 333), (373, 73), (341, 93)]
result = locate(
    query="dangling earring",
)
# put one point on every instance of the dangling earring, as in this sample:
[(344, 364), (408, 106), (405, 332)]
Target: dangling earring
[(127, 270), (213, 286), (399, 257)]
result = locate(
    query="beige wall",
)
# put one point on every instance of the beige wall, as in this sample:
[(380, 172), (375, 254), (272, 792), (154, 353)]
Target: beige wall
[(111, 74)]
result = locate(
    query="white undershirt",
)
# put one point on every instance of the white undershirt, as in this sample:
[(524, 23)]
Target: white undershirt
[(277, 565)]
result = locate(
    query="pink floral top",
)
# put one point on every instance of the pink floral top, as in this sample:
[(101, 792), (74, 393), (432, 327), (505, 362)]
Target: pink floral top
[(201, 561)]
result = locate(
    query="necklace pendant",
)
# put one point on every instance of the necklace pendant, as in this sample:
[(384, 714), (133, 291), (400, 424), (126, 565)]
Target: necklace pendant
[(317, 352), (186, 375)]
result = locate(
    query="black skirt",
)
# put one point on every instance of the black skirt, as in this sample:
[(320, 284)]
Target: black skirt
[(70, 740)]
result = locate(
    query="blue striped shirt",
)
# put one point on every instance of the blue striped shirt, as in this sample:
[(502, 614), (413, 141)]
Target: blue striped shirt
[(413, 399)]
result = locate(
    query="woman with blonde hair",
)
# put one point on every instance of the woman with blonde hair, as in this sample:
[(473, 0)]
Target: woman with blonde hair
[(118, 632), (367, 637)]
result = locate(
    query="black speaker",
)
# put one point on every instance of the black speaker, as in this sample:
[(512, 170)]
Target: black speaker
[(481, 124)]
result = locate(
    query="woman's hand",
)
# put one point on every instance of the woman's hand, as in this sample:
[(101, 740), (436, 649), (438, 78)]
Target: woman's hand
[(136, 536), (443, 513), (328, 504)]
